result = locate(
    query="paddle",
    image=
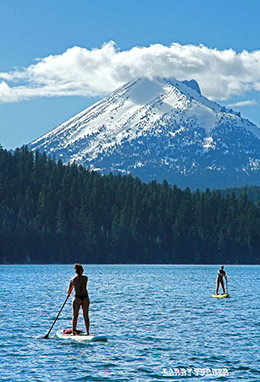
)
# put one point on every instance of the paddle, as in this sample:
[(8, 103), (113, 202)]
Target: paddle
[(47, 335), (227, 285)]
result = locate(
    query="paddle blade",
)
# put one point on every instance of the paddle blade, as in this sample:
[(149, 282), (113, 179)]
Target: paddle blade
[(47, 335)]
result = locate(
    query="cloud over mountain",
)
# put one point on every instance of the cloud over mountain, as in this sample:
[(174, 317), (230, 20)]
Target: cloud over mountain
[(249, 102), (96, 72)]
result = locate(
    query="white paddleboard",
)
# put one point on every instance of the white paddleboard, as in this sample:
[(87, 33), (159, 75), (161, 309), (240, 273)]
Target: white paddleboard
[(81, 337)]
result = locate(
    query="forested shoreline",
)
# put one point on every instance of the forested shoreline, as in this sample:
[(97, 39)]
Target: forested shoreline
[(55, 213)]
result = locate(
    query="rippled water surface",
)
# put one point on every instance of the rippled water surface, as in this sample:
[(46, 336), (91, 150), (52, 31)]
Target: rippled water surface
[(161, 323)]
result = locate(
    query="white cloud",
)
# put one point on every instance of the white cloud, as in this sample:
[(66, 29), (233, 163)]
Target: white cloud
[(249, 102), (96, 72)]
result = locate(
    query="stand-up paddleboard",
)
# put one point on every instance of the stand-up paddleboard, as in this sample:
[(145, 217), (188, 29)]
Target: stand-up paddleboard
[(80, 336), (226, 295)]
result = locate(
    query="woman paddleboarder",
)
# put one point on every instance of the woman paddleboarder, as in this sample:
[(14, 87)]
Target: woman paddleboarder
[(80, 299), (221, 274)]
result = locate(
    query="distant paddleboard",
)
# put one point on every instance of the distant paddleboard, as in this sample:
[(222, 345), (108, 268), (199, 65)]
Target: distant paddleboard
[(220, 295), (80, 336)]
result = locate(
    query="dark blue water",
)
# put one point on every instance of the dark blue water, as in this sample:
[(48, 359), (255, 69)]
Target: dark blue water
[(161, 323)]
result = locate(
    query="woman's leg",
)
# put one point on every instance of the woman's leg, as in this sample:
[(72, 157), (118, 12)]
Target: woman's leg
[(75, 312), (85, 307), (223, 287), (217, 286)]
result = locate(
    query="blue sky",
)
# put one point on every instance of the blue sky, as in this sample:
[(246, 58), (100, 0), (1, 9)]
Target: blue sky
[(58, 57)]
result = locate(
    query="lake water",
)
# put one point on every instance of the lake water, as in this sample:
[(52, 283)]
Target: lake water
[(161, 323)]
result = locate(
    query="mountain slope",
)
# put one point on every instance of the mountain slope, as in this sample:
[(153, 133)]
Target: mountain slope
[(159, 130)]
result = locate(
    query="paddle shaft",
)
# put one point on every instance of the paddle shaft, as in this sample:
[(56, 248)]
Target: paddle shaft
[(227, 286), (47, 335)]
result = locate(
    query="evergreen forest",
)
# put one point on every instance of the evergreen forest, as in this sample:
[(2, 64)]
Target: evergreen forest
[(56, 213)]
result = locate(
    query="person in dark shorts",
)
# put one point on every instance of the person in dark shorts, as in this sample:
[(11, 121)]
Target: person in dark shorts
[(80, 299), (220, 281)]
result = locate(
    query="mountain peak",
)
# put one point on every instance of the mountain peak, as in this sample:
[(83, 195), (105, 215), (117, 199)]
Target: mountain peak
[(193, 85), (160, 129)]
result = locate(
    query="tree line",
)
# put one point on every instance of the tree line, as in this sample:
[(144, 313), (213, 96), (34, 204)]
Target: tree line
[(56, 213)]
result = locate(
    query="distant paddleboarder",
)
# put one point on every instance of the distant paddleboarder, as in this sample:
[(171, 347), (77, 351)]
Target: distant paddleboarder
[(221, 274), (80, 299)]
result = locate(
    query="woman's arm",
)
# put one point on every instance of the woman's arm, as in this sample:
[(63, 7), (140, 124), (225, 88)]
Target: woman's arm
[(69, 289)]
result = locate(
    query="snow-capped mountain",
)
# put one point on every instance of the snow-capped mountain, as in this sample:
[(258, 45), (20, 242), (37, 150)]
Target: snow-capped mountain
[(161, 129)]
